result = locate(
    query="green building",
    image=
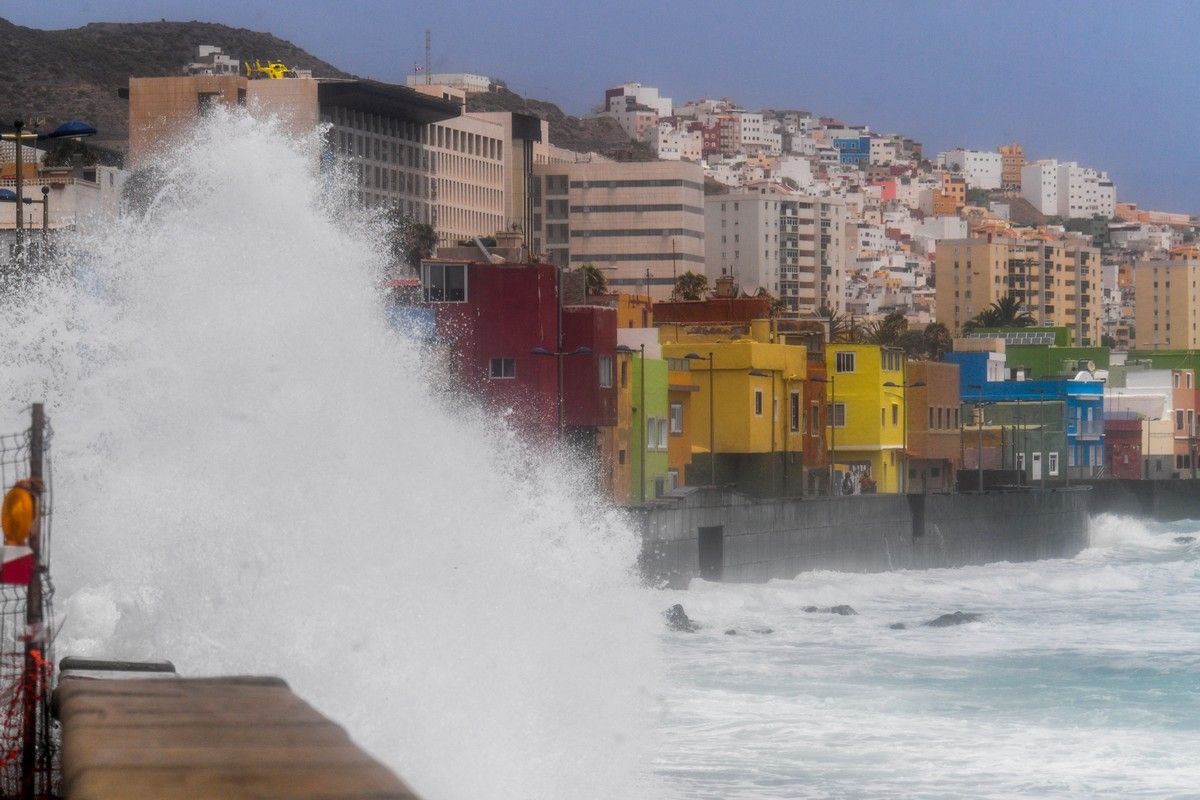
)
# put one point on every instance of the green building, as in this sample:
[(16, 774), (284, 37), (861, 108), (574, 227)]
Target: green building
[(649, 429)]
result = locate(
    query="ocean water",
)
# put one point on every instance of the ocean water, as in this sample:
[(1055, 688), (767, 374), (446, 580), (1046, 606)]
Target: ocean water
[(1081, 680)]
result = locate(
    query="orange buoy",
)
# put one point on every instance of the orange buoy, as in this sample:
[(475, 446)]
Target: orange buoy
[(16, 515)]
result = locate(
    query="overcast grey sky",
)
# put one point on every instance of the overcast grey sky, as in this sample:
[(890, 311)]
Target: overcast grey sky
[(1113, 85)]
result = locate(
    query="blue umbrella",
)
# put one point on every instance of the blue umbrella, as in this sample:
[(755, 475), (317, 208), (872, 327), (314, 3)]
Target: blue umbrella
[(74, 128)]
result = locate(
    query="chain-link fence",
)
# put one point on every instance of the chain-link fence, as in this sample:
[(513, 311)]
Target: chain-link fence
[(28, 740)]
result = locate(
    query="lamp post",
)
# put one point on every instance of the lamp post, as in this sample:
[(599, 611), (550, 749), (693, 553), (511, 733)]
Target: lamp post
[(758, 373), (979, 405), (67, 130), (904, 435), (558, 355), (829, 413), (712, 439)]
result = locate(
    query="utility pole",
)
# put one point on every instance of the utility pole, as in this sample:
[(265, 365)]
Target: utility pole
[(32, 673), (19, 126), (428, 58)]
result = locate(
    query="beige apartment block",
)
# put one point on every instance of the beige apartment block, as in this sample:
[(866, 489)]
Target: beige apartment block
[(1167, 304), (642, 223), (160, 109), (1057, 281), (1012, 159)]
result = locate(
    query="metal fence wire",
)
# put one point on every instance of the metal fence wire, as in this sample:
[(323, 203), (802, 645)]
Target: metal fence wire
[(26, 672)]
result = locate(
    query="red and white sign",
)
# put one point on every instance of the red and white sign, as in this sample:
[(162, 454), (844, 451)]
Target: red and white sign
[(18, 565)]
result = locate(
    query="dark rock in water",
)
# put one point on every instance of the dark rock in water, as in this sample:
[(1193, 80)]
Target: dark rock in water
[(957, 618), (1184, 539), (677, 620), (731, 632), (845, 611), (898, 626), (764, 630)]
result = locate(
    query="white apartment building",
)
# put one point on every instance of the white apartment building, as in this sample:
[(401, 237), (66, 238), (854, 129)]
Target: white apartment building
[(981, 169), (464, 81), (636, 109), (884, 151), (792, 245), (677, 144), (1068, 190)]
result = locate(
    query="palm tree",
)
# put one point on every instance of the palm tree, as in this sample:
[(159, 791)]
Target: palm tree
[(936, 340), (594, 279), (691, 286), (1007, 312), (888, 331)]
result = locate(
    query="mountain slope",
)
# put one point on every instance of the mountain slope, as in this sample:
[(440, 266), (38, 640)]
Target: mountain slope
[(75, 73)]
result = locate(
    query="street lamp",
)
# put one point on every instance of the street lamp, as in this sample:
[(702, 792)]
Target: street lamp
[(645, 443), (558, 355), (904, 436), (832, 422), (712, 440), (67, 130)]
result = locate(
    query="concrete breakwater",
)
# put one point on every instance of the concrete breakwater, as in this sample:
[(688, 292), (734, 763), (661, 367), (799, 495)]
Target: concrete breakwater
[(722, 535), (1161, 500)]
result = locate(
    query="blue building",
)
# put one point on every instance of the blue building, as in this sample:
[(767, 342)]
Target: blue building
[(855, 150), (1082, 398)]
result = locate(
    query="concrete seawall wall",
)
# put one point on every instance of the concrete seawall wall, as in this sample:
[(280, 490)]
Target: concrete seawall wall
[(721, 535), (1163, 500)]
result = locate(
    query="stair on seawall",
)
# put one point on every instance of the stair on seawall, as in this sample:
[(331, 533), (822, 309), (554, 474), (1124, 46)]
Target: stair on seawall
[(137, 733)]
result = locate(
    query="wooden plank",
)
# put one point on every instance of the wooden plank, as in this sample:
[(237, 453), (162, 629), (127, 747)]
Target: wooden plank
[(208, 738)]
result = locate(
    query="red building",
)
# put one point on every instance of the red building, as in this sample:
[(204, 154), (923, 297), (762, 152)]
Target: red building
[(1123, 444), (500, 323)]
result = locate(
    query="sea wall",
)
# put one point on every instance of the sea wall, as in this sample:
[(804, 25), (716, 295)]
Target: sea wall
[(722, 535), (1162, 500)]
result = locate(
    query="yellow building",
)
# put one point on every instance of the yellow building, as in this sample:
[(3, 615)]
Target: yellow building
[(1167, 303), (750, 399), (1057, 280), (867, 416)]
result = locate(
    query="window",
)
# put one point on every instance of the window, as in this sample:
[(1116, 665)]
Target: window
[(1053, 463), (758, 402), (794, 412), (814, 416), (895, 414), (837, 414), (444, 283), (624, 374), (930, 426), (956, 418), (604, 365), (844, 362), (676, 417), (620, 456), (651, 433), (661, 439), (504, 368), (1021, 462), (1179, 419)]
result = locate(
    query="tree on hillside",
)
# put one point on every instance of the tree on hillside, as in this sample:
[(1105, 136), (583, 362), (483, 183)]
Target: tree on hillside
[(594, 279), (410, 241), (691, 286), (1007, 312)]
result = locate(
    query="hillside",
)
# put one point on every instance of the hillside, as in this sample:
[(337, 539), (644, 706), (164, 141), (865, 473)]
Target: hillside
[(75, 73), (53, 76), (584, 134)]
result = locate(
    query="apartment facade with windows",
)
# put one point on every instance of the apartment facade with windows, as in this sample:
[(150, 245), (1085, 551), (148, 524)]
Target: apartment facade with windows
[(641, 223), (1167, 304), (1058, 281), (866, 431)]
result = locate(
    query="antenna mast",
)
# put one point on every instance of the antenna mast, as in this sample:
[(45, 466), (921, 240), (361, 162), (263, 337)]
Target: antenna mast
[(428, 58)]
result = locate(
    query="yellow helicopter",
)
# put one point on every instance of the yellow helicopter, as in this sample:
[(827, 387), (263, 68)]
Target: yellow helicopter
[(274, 70)]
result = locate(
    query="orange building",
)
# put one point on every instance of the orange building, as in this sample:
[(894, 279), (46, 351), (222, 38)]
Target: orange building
[(950, 199), (681, 388), (934, 443), (1012, 158)]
